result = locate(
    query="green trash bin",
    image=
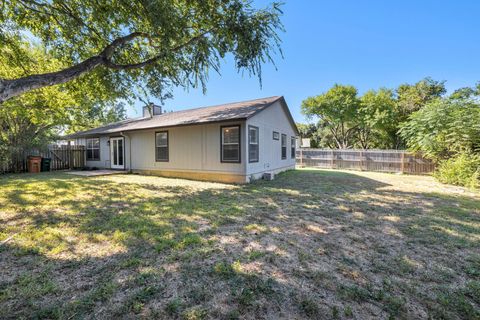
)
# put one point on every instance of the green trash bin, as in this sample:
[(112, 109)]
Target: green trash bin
[(45, 166)]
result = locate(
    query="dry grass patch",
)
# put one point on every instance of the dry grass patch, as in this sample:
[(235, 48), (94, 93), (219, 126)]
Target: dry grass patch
[(311, 244)]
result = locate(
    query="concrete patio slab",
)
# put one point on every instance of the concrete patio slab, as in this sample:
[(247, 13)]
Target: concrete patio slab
[(95, 173)]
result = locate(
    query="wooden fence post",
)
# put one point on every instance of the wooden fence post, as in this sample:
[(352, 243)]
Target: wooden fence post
[(331, 160), (301, 157), (361, 160), (402, 162), (70, 158)]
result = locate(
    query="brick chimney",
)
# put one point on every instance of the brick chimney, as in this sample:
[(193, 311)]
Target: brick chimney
[(151, 110)]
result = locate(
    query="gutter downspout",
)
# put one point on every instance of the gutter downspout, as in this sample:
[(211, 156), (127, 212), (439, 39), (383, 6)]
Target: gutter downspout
[(129, 151)]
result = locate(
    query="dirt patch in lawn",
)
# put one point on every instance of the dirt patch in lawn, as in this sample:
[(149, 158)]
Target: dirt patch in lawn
[(311, 244)]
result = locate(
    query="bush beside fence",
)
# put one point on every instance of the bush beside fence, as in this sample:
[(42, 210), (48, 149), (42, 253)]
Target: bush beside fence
[(400, 161)]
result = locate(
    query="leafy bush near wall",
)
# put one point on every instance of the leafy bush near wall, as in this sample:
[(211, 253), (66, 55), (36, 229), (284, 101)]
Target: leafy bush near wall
[(447, 130), (462, 170), (444, 128)]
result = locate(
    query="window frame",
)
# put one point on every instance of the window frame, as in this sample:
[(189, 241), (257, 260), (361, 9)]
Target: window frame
[(257, 144), (239, 143), (168, 147), (276, 135), (87, 148), (283, 139), (293, 147)]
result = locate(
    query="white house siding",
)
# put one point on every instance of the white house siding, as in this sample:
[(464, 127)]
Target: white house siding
[(192, 149), (104, 162), (274, 118)]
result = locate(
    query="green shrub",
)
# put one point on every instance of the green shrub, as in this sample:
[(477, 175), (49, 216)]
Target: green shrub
[(461, 170)]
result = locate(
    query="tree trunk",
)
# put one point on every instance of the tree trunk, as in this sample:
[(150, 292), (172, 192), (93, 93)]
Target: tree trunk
[(16, 87)]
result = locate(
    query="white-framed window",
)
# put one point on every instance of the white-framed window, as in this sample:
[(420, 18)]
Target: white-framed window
[(284, 146), (230, 144), (161, 146), (253, 144), (93, 149)]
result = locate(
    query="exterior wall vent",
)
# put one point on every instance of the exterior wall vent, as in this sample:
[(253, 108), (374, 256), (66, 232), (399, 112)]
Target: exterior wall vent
[(269, 176)]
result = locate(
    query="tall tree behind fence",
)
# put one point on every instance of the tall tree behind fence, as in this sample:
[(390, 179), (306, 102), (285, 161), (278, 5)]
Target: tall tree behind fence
[(368, 160), (62, 157)]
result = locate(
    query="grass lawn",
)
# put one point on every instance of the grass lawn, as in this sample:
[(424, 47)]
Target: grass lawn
[(311, 244)]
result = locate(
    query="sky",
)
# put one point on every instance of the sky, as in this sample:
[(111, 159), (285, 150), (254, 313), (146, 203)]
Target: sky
[(368, 44)]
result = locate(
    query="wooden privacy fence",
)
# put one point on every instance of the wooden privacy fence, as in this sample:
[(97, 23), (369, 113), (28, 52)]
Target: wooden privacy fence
[(368, 160), (66, 157), (62, 157)]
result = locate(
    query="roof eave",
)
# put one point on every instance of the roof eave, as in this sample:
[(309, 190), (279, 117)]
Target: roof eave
[(87, 135), (287, 111)]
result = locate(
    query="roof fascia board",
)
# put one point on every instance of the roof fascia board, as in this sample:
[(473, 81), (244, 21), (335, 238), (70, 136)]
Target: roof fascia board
[(154, 128), (285, 108)]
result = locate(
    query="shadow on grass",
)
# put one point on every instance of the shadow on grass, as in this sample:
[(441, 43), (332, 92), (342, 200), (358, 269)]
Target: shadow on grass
[(106, 248)]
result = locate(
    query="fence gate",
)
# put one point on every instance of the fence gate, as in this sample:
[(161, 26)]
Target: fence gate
[(66, 157)]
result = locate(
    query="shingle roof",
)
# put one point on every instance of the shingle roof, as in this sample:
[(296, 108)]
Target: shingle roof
[(230, 111)]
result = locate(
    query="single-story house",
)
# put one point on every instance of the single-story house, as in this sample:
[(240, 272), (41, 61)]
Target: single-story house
[(233, 142)]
